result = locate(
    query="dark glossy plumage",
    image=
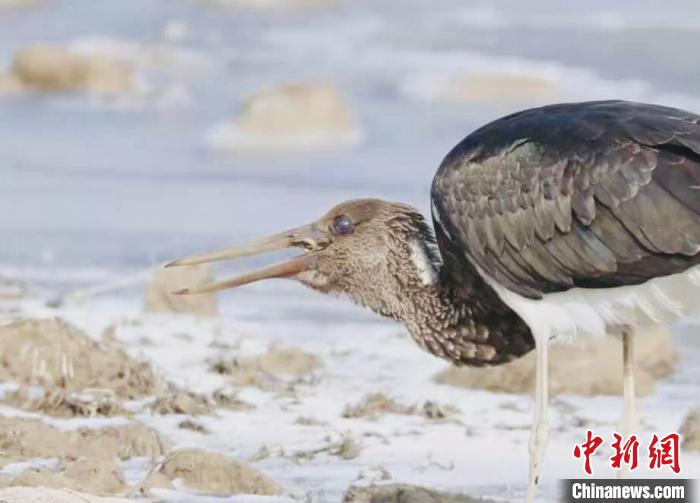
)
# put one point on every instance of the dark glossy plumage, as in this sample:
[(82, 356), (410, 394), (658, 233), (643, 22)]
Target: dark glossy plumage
[(597, 194)]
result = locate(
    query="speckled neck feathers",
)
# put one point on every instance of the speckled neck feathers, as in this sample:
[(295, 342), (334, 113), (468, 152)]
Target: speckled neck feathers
[(465, 326)]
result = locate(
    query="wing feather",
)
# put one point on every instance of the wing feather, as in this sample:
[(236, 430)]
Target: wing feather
[(593, 194)]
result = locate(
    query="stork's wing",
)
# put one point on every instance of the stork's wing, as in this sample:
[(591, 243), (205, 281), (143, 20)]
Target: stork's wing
[(596, 194)]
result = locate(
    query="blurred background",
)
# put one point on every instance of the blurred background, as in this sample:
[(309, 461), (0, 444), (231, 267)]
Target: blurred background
[(171, 126), (138, 131)]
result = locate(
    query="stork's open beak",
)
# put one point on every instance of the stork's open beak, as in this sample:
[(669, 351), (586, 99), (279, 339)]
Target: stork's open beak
[(309, 237)]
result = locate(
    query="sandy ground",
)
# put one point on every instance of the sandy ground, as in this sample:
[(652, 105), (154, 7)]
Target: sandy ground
[(107, 400)]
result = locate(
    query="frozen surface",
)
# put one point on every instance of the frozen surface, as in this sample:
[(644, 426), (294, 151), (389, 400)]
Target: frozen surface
[(133, 183), (480, 449), (93, 191)]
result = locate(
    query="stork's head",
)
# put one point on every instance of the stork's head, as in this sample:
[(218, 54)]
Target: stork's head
[(369, 249)]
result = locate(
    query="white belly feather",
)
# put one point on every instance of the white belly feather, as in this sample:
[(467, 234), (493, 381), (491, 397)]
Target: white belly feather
[(597, 311)]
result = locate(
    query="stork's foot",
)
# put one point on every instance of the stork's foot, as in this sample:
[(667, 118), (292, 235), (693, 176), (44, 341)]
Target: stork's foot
[(539, 437)]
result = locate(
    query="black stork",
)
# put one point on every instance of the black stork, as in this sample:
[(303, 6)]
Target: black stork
[(569, 219)]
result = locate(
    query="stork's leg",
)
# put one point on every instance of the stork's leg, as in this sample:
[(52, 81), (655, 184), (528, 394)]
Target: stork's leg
[(629, 422), (539, 435)]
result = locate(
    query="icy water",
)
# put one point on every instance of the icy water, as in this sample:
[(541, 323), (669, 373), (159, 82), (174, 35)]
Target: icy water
[(91, 189), (89, 184)]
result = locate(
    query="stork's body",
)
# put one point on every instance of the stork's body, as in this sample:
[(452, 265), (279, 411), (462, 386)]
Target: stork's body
[(569, 203), (553, 222), (585, 219)]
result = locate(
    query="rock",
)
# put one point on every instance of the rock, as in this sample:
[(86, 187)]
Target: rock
[(97, 476), (56, 355), (19, 4), (53, 68), (161, 299), (377, 404), (49, 68), (48, 495), (303, 115), (403, 493), (91, 475), (25, 438), (191, 425), (374, 405), (690, 430), (475, 88), (214, 474), (44, 478), (287, 363), (155, 480), (483, 88), (227, 397), (62, 403), (9, 84), (267, 369), (589, 367), (125, 442), (182, 402)]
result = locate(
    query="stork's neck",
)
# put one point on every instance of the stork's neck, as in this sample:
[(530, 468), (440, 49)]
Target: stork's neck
[(454, 314)]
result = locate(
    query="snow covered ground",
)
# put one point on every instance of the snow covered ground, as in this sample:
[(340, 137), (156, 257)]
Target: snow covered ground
[(295, 430), (94, 189)]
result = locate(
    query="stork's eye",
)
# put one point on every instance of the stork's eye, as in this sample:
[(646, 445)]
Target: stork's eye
[(342, 225)]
